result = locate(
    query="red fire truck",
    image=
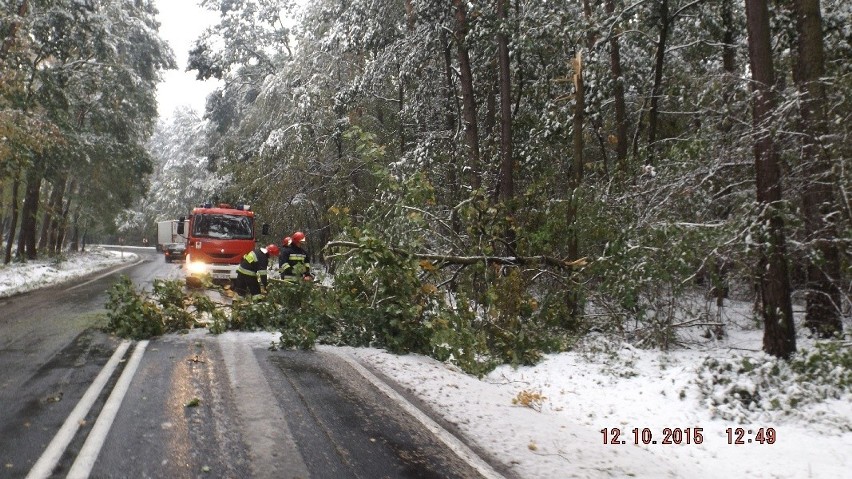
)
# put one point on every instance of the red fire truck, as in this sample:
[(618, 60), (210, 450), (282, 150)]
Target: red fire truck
[(217, 237)]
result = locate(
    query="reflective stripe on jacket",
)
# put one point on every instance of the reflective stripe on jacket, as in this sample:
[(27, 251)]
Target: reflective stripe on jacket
[(293, 257), (254, 263)]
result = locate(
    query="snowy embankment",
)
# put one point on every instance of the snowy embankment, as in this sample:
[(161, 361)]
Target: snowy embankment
[(676, 414), (18, 278)]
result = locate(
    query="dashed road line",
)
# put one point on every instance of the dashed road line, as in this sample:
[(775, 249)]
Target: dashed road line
[(50, 457), (85, 461)]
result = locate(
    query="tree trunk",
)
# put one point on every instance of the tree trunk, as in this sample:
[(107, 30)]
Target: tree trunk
[(592, 35), (823, 295), (779, 336), (489, 121), (479, 259), (13, 221), (618, 95), (29, 212), (60, 216), (471, 130), (579, 110), (2, 210), (50, 210), (659, 63), (13, 28), (451, 110), (507, 163), (452, 106), (729, 55), (409, 15), (400, 111), (507, 170), (75, 230), (577, 167), (729, 48)]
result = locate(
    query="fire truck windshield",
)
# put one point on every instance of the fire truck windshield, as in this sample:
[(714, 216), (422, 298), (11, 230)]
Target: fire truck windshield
[(222, 226)]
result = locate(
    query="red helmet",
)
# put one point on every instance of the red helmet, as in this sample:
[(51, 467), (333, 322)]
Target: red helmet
[(272, 250), (298, 237), (286, 241)]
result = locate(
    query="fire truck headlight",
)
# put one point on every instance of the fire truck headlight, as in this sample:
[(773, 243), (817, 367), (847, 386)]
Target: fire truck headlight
[(196, 267)]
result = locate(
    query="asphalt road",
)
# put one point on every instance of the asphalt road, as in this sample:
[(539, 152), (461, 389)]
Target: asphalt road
[(196, 405)]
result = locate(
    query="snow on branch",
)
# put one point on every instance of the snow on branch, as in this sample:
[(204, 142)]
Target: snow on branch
[(468, 260)]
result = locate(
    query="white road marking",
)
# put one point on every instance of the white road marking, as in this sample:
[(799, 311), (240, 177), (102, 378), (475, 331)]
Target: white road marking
[(94, 442), (273, 451), (461, 449), (50, 457)]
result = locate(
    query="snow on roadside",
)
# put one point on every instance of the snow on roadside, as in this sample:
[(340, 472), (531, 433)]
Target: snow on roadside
[(622, 388), (18, 278), (579, 397)]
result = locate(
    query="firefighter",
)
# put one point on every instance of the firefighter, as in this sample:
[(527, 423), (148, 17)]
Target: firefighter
[(251, 273), (284, 254), (294, 260)]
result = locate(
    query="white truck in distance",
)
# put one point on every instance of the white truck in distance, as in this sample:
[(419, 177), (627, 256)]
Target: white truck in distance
[(167, 234)]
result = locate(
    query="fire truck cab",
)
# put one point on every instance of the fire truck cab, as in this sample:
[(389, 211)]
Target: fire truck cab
[(217, 237)]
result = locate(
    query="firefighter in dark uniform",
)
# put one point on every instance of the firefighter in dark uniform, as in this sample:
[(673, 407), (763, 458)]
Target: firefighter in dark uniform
[(294, 261), (251, 273)]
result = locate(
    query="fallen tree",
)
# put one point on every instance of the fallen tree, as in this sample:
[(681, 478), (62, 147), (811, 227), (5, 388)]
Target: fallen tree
[(469, 260)]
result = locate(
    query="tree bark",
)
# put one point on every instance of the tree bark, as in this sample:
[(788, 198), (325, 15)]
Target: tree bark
[(729, 54), (592, 36), (618, 95), (14, 26), (60, 216), (577, 168), (52, 208), (2, 209), (13, 221), (471, 260), (409, 18), (409, 15), (451, 110), (401, 110), (779, 336), (659, 63), (507, 161), (75, 230), (507, 174), (471, 130), (729, 48), (29, 212), (818, 202)]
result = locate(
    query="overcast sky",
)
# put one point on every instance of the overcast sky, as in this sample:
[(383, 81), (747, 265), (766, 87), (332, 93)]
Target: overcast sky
[(181, 23)]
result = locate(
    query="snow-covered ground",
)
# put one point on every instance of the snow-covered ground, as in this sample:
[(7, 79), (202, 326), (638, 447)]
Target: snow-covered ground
[(551, 420), (18, 278)]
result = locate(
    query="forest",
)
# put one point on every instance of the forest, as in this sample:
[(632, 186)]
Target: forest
[(486, 181)]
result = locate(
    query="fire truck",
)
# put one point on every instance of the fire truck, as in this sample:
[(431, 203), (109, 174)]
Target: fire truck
[(217, 237)]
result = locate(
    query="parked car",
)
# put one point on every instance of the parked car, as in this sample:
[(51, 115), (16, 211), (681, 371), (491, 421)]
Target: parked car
[(174, 251)]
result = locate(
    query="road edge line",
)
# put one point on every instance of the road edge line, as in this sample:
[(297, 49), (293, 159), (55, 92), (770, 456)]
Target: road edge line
[(88, 454), (461, 449), (43, 468), (104, 275)]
